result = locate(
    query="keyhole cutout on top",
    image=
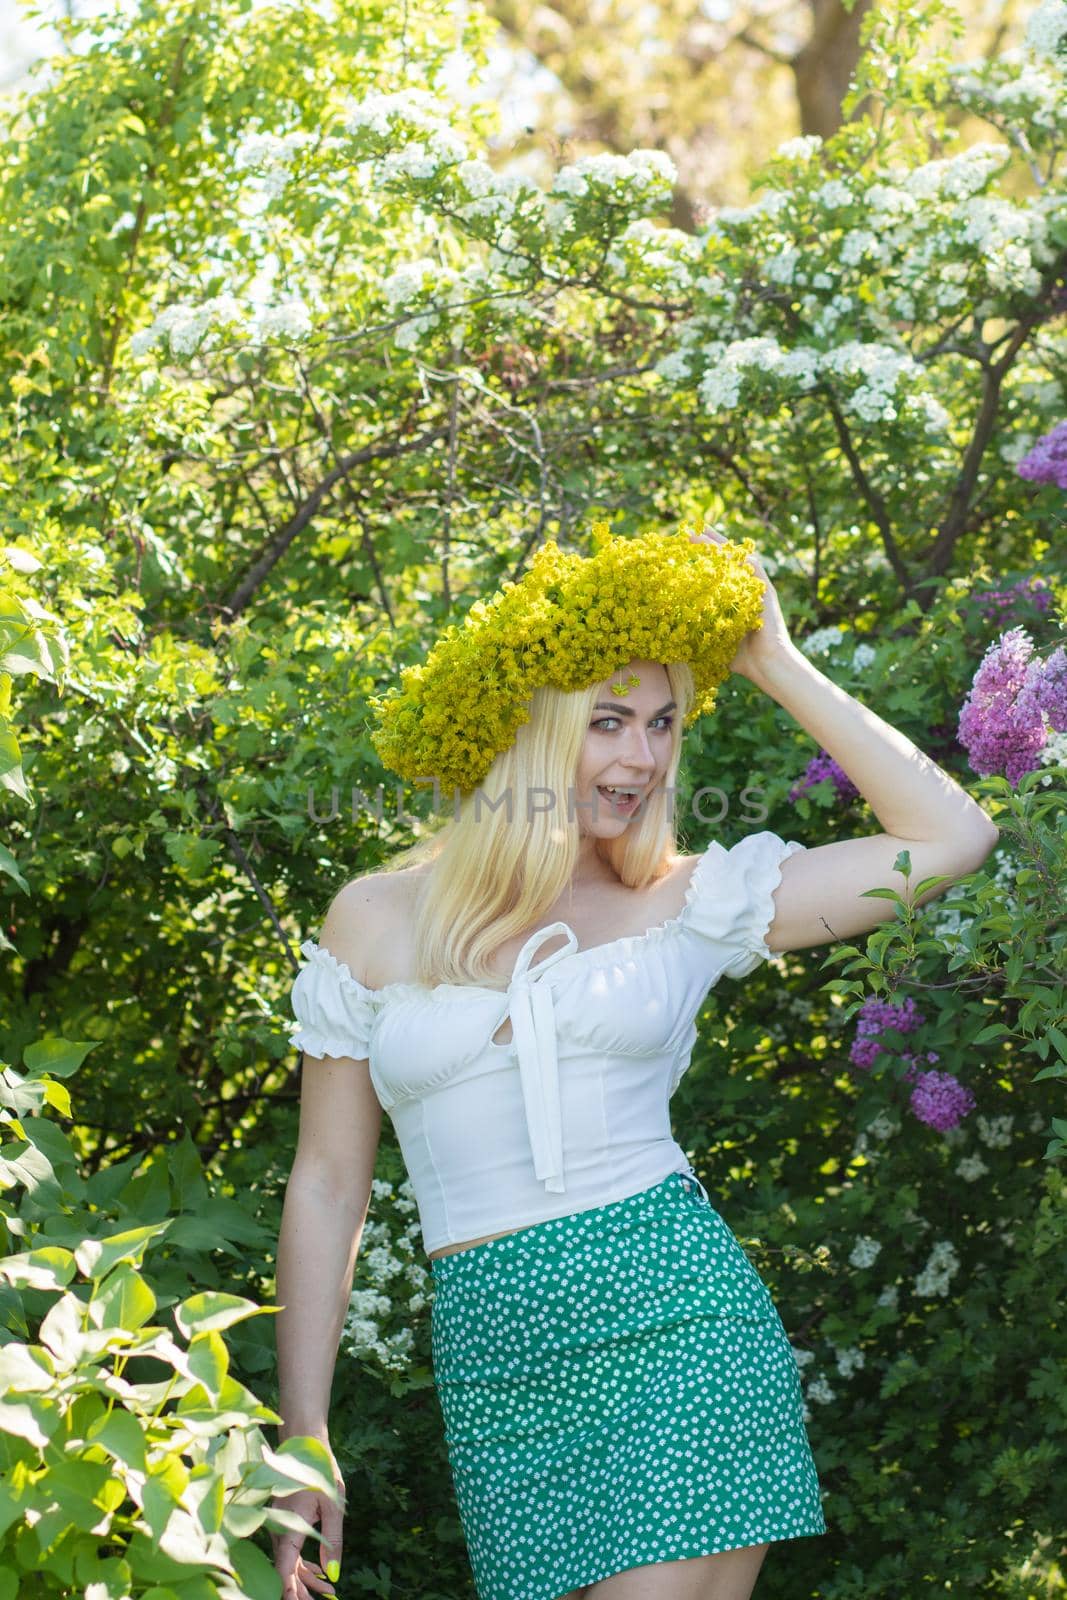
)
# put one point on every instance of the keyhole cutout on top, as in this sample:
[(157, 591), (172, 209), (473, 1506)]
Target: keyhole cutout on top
[(496, 1036)]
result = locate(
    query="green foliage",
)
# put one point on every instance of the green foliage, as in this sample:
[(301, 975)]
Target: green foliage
[(132, 1461), (226, 529)]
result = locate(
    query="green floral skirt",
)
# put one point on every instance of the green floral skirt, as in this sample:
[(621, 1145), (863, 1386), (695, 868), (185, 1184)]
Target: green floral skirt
[(617, 1389)]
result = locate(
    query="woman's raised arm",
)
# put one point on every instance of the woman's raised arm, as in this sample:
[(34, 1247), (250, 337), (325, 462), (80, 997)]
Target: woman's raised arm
[(921, 807)]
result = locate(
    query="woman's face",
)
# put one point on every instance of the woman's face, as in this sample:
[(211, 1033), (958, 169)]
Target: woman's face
[(627, 746)]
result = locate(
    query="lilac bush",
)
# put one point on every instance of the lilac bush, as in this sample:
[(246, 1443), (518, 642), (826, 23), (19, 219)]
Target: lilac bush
[(1002, 603), (940, 1099), (1014, 702), (1046, 462), (823, 766), (875, 1016)]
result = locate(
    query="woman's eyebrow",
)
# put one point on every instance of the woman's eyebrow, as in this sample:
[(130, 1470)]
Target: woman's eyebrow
[(628, 711)]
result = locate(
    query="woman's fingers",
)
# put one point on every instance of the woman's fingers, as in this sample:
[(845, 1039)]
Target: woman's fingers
[(314, 1579), (331, 1532)]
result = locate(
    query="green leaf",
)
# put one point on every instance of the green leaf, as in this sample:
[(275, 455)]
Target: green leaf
[(47, 1268), (304, 1463), (34, 1419), (212, 1310), (96, 1257), (257, 1576), (9, 866), (120, 1435), (1059, 1040), (209, 1361), (25, 1368), (60, 1057), (995, 1030), (123, 1300)]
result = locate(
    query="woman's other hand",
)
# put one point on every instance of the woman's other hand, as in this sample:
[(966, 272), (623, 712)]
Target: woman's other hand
[(303, 1579)]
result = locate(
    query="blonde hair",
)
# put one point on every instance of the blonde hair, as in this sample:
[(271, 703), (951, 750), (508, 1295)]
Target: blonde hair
[(492, 877)]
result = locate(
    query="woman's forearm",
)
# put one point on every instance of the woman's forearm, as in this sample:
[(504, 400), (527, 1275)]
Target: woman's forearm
[(318, 1244), (912, 797)]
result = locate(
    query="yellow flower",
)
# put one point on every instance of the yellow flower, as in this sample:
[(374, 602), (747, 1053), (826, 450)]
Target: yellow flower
[(654, 597)]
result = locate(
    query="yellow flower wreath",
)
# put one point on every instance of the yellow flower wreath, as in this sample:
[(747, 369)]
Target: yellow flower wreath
[(571, 620)]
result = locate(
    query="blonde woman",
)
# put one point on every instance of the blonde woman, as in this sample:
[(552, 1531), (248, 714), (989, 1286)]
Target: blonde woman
[(621, 1403)]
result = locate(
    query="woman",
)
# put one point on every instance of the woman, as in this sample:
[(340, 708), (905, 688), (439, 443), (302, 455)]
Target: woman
[(621, 1404)]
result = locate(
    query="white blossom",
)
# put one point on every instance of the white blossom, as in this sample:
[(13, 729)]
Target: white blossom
[(888, 1296), (941, 1266), (819, 1390), (890, 199), (970, 1168), (834, 192), (409, 333), (720, 386), (1053, 754), (477, 177), (423, 158), (641, 169), (849, 1361), (855, 245), (290, 319), (185, 326), (864, 1252), (801, 148), (271, 156), (995, 1132), (673, 366), (379, 111), (163, 771), (1046, 31), (119, 763), (822, 640), (960, 175), (408, 280), (780, 268), (768, 205)]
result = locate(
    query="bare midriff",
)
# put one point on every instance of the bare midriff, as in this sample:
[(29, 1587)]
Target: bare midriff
[(468, 1244)]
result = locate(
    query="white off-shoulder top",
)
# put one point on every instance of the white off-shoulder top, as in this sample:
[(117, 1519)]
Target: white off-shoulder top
[(572, 1112)]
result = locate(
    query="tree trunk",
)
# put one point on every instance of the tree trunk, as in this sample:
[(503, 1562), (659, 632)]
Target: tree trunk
[(823, 68)]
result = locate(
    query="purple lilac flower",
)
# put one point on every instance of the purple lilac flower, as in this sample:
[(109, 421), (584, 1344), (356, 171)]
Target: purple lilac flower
[(912, 1069), (1046, 462), (874, 1016), (824, 766), (1001, 729), (1047, 687), (941, 1100), (998, 602)]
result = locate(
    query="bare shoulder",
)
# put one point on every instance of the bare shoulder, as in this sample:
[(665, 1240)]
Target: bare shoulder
[(367, 912)]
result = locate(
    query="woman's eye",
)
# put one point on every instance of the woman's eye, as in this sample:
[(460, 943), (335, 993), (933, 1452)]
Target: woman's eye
[(602, 720)]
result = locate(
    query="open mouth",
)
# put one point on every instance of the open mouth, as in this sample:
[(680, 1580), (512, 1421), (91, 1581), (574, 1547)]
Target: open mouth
[(623, 800)]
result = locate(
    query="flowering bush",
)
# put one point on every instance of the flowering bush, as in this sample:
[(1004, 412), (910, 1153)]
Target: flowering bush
[(293, 376), (1016, 702)]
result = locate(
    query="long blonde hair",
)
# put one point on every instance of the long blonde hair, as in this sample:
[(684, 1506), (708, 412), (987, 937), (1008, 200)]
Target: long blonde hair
[(493, 878)]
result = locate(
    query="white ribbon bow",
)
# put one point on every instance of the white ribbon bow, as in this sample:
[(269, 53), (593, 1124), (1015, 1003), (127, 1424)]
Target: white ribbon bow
[(533, 1026)]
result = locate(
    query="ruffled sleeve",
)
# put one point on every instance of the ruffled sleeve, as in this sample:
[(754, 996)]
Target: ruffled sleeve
[(334, 1011), (730, 902)]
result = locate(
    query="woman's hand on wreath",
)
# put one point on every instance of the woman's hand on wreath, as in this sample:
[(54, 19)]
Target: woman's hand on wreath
[(760, 647)]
